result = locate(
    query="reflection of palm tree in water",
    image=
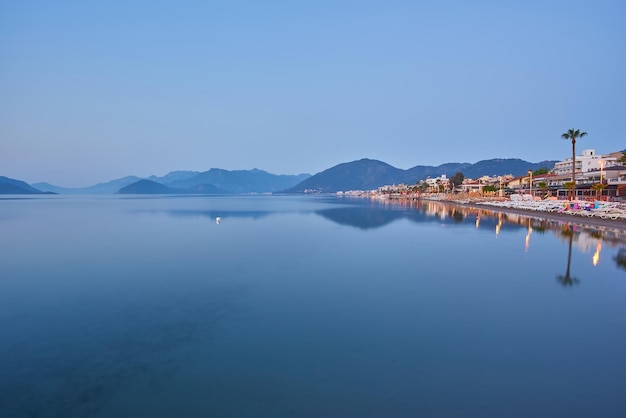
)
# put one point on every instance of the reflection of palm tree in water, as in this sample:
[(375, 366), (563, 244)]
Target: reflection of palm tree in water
[(620, 258), (567, 279)]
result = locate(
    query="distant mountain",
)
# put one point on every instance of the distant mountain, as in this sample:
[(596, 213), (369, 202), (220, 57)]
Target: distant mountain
[(174, 176), (109, 187), (499, 166), (214, 181), (147, 187), (363, 174), (152, 187), (13, 186), (241, 181), (366, 174)]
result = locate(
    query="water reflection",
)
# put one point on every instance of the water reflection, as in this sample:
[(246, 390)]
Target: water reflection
[(212, 214), (527, 241), (567, 279), (587, 238), (373, 213), (620, 258), (596, 255)]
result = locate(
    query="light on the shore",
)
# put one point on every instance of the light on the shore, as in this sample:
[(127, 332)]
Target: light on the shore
[(499, 225), (530, 231), (596, 255)]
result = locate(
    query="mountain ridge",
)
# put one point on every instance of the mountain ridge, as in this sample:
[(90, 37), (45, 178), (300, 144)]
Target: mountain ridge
[(363, 174), (13, 186), (368, 174)]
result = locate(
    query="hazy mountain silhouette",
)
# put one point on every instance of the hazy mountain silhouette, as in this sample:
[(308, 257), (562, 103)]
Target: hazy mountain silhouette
[(366, 174), (241, 181), (214, 181), (152, 187), (13, 186), (363, 174), (109, 187), (147, 187), (173, 176)]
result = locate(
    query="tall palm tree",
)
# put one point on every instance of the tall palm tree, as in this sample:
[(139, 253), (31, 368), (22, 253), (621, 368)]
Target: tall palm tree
[(573, 134)]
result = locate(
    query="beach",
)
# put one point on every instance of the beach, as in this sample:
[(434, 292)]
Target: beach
[(534, 208)]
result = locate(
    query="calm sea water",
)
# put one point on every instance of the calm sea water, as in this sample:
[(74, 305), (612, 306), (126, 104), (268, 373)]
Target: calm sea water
[(305, 307)]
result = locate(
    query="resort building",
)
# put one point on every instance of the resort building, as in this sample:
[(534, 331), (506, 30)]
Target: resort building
[(588, 161), (435, 182)]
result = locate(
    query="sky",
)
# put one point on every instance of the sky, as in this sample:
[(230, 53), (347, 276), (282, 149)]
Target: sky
[(93, 91)]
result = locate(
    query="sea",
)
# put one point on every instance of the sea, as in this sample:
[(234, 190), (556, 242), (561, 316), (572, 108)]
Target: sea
[(305, 306)]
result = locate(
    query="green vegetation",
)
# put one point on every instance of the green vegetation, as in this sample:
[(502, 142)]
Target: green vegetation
[(598, 187), (457, 179), (570, 186)]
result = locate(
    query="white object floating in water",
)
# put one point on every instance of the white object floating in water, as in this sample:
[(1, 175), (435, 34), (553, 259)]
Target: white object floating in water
[(218, 220)]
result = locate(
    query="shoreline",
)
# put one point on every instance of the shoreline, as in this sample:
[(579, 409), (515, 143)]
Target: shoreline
[(618, 224)]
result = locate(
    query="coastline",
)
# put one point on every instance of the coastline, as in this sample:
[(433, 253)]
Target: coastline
[(619, 224)]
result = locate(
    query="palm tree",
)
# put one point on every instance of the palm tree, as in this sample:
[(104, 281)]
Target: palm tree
[(573, 134), (598, 187), (570, 188)]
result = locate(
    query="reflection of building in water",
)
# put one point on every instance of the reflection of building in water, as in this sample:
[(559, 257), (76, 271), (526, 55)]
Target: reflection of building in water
[(499, 225), (587, 239), (586, 242), (530, 231), (596, 255)]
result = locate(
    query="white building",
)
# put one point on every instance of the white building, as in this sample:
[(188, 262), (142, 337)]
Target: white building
[(588, 161), (437, 180)]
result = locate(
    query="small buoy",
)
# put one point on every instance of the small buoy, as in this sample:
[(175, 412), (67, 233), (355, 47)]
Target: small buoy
[(218, 220)]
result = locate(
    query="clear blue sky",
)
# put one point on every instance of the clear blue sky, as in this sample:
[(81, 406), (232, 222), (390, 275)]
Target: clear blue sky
[(92, 91)]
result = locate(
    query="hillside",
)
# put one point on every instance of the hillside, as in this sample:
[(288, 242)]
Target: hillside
[(108, 187), (147, 187), (173, 176), (241, 181), (363, 174), (214, 181), (366, 174), (13, 186)]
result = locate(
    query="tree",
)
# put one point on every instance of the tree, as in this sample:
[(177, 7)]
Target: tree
[(570, 188), (573, 134), (598, 187), (541, 171), (623, 159), (457, 179)]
